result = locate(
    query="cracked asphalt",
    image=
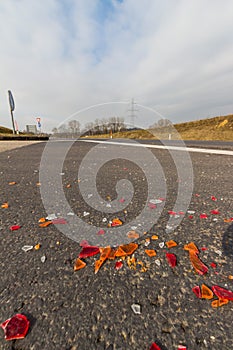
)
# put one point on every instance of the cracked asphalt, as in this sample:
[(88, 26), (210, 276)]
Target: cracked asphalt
[(81, 310)]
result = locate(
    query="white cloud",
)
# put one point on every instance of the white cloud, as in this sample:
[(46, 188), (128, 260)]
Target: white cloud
[(57, 58)]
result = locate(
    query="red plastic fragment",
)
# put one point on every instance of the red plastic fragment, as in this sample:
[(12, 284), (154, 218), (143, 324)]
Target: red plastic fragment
[(214, 198), (215, 212), (222, 293), (182, 347), (59, 221), (116, 222), (197, 291), (213, 265), (101, 232), (190, 216), (171, 258), (204, 248), (152, 205), (171, 212), (118, 265), (88, 251), (84, 243), (181, 213), (203, 216), (15, 327), (14, 227), (155, 347)]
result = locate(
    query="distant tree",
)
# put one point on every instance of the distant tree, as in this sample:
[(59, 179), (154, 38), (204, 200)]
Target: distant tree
[(74, 126)]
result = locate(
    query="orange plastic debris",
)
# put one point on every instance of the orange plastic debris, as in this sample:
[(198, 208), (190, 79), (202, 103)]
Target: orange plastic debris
[(206, 293), (79, 264), (171, 244), (154, 237), (116, 222), (128, 249), (132, 235), (191, 247), (219, 302), (112, 254), (150, 252), (45, 224), (120, 252), (12, 183), (37, 246), (5, 205), (42, 220), (197, 263), (104, 255)]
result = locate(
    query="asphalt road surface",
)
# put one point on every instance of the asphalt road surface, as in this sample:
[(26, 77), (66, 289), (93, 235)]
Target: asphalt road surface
[(71, 310)]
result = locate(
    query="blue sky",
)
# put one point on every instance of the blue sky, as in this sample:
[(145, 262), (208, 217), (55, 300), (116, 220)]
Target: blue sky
[(60, 56)]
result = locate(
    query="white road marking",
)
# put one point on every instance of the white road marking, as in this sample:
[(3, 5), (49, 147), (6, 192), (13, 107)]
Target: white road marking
[(174, 148)]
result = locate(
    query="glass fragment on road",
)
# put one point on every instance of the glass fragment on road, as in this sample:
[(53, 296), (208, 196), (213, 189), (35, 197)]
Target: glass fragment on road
[(15, 327), (171, 258), (79, 264)]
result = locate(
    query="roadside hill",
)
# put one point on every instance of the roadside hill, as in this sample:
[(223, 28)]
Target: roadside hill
[(217, 128), (4, 130)]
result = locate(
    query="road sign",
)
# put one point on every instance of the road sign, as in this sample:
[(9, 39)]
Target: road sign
[(12, 107), (11, 101)]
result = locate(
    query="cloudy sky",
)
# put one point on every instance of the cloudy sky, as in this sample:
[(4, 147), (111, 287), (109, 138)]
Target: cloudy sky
[(61, 56)]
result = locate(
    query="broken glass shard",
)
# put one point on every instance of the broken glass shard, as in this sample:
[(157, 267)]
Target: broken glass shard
[(126, 249), (15, 327), (118, 265), (5, 205), (26, 248), (191, 247), (222, 293), (79, 264), (104, 255), (132, 235), (215, 212), (219, 302), (154, 346), (197, 291), (171, 244), (136, 308), (43, 258), (45, 224), (203, 216), (116, 222), (150, 252), (59, 221), (206, 293), (171, 258), (198, 265), (89, 251), (15, 227)]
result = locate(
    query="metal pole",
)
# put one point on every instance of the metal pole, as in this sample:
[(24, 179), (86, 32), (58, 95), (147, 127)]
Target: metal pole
[(13, 123)]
